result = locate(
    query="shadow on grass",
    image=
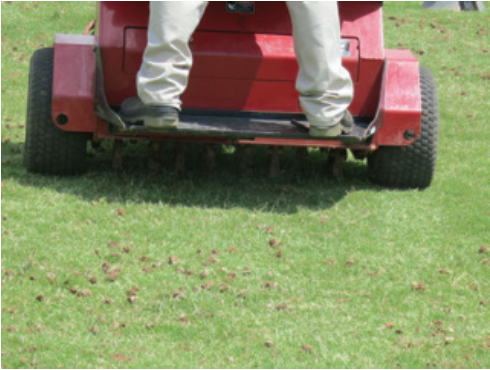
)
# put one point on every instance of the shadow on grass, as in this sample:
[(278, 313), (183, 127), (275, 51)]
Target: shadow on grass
[(294, 189)]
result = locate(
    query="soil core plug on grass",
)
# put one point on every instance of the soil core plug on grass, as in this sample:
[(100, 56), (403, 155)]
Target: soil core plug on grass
[(113, 273), (307, 348), (204, 274), (173, 260), (419, 286), (208, 285), (135, 289), (84, 293), (132, 299)]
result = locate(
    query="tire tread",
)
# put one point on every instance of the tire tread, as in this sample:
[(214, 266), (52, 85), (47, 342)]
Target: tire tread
[(49, 150), (411, 166)]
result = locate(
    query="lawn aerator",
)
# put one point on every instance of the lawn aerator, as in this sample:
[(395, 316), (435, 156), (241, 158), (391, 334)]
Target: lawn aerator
[(241, 90)]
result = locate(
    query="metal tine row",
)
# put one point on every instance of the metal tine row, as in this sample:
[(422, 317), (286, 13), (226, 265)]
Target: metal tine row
[(334, 165)]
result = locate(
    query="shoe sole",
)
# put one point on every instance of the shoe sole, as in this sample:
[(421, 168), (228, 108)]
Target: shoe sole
[(331, 132), (161, 123), (157, 123)]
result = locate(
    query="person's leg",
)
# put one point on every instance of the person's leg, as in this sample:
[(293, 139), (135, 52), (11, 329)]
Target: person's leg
[(324, 85), (167, 61)]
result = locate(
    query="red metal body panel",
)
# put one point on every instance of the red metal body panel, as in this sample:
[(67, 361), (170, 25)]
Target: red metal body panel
[(364, 20), (237, 71), (239, 56), (400, 108), (74, 82)]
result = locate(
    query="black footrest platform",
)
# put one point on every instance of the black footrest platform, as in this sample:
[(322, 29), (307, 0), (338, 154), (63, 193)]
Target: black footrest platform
[(247, 125)]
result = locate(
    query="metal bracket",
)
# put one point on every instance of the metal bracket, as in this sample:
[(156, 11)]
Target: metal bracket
[(101, 107)]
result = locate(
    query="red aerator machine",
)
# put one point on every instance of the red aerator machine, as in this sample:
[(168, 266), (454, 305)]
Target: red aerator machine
[(241, 90)]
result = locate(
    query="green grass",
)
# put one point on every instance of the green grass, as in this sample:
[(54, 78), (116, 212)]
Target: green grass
[(51, 227)]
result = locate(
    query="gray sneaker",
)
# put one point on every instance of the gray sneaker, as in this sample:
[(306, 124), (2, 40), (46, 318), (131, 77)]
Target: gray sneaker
[(159, 117), (343, 127)]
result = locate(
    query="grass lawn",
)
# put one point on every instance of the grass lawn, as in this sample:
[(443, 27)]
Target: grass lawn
[(362, 276)]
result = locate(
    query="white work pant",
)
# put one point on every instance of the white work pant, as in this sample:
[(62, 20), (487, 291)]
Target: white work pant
[(324, 85)]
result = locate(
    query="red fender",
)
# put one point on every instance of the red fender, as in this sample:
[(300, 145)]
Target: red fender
[(74, 83), (400, 109)]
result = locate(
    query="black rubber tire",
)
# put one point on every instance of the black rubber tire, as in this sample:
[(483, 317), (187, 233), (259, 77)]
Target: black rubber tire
[(411, 166), (49, 150)]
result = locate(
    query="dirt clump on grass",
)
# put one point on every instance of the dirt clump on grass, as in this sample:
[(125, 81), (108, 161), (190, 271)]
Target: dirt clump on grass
[(419, 286), (307, 348)]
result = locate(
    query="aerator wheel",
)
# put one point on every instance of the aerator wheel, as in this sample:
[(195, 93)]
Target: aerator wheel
[(411, 166), (48, 149)]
